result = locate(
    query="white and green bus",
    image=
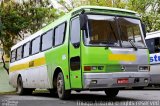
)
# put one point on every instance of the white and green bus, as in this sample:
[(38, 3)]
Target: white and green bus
[(89, 48)]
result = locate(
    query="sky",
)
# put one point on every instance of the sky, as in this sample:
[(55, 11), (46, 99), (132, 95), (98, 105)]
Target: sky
[(56, 5)]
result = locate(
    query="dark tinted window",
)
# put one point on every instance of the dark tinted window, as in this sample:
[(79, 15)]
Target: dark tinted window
[(35, 45), (47, 40), (19, 53), (153, 45), (13, 55), (26, 49), (75, 31), (59, 34)]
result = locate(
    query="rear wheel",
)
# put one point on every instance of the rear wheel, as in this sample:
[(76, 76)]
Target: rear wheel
[(62, 93), (112, 92), (20, 90)]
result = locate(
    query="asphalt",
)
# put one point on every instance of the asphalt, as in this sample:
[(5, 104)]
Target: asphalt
[(86, 98)]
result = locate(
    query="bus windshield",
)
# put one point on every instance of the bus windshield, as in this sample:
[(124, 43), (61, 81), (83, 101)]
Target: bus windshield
[(113, 31)]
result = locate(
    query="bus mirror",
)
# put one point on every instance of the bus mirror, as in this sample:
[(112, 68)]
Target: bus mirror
[(83, 21), (144, 29)]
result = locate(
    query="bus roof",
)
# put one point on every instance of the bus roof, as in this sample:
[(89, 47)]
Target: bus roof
[(155, 34), (73, 12), (102, 8)]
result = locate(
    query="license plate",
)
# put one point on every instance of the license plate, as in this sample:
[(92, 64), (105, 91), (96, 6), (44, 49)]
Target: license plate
[(122, 81)]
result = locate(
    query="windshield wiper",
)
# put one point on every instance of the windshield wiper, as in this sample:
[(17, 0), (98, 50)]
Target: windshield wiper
[(133, 45)]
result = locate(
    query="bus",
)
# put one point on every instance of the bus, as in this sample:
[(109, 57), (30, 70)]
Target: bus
[(153, 42), (90, 48)]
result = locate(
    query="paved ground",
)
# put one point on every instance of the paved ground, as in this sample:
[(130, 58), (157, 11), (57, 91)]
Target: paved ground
[(124, 98)]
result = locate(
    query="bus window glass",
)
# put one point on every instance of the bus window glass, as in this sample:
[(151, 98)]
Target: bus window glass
[(113, 31), (102, 31), (35, 45), (157, 45), (13, 55), (47, 40), (19, 53), (26, 49), (130, 30), (153, 45), (75, 31), (59, 34)]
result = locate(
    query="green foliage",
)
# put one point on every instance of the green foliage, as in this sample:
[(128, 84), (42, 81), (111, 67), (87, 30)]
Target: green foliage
[(19, 18), (149, 10)]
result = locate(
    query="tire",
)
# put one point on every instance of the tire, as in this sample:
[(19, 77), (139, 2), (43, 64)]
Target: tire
[(28, 91), (62, 93), (138, 88), (53, 92), (112, 92), (22, 91)]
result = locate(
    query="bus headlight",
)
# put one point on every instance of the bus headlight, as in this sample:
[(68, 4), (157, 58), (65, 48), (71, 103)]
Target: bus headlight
[(144, 68)]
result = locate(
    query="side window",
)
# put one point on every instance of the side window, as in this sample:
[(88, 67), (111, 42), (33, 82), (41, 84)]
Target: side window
[(35, 45), (157, 45), (47, 40), (75, 31), (59, 34), (150, 44), (26, 49), (19, 53), (13, 55)]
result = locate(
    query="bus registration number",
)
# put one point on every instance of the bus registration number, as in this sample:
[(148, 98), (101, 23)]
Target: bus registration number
[(122, 81)]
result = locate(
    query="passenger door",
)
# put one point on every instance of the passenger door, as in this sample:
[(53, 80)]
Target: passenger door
[(75, 54)]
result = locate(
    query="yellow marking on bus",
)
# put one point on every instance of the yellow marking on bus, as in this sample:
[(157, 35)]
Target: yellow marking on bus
[(35, 63), (19, 67), (122, 57)]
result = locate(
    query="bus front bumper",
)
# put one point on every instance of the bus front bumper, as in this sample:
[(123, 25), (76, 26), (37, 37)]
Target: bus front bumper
[(111, 80)]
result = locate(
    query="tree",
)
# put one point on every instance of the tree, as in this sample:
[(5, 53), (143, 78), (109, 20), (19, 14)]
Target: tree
[(20, 18), (149, 11), (68, 6)]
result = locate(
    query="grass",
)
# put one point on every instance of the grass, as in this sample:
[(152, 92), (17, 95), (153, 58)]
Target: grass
[(1, 66), (41, 91), (8, 93), (4, 81)]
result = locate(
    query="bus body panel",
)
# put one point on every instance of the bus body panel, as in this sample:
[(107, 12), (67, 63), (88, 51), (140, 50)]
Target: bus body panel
[(114, 56), (115, 66), (58, 58), (38, 70), (155, 68)]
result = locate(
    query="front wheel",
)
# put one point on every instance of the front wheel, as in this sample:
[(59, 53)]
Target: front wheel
[(112, 92), (138, 88), (53, 92), (62, 93)]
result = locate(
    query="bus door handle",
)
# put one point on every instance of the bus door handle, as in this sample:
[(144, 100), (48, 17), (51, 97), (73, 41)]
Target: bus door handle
[(31, 63)]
